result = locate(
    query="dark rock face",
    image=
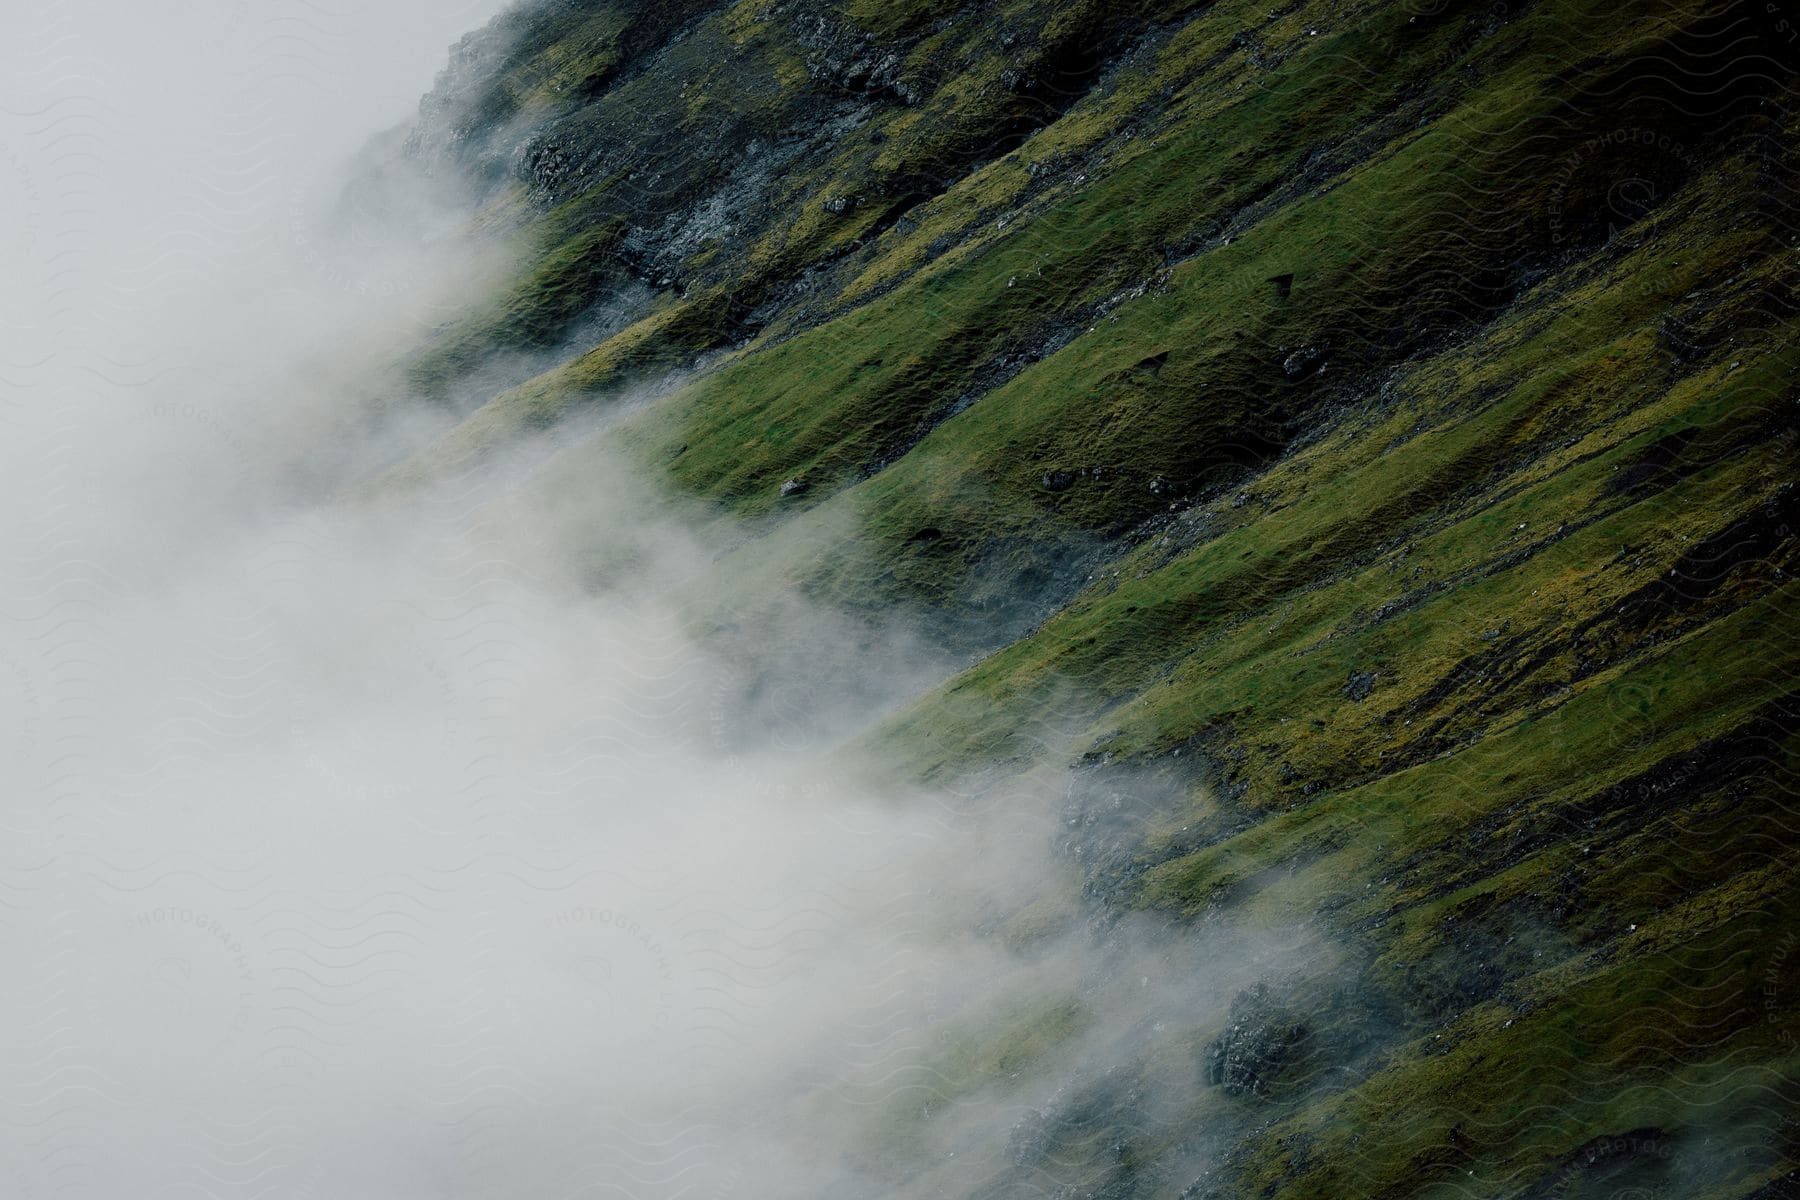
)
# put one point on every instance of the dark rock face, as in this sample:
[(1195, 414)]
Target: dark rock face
[(847, 60), (1305, 361), (1263, 1040)]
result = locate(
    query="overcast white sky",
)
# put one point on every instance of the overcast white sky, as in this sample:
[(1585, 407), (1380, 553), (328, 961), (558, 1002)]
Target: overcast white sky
[(142, 142)]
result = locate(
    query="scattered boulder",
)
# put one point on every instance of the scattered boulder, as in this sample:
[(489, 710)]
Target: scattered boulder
[(1361, 684), (793, 487), (1304, 361), (1262, 1040)]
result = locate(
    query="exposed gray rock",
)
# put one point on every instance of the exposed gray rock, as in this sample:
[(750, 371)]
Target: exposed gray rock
[(1262, 1039), (1305, 361)]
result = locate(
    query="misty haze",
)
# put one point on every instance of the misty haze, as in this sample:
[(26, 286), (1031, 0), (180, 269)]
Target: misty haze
[(898, 599)]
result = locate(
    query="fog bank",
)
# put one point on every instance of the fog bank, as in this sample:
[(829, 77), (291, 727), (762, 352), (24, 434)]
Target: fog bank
[(361, 849)]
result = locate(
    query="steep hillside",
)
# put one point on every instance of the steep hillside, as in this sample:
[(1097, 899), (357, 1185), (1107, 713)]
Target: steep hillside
[(1359, 438)]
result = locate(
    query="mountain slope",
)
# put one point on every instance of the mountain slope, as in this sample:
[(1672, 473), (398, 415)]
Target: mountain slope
[(1359, 438)]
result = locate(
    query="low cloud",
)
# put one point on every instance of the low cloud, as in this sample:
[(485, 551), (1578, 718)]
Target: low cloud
[(374, 848)]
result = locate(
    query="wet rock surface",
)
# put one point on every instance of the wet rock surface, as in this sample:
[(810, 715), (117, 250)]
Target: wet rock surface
[(1263, 1041)]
